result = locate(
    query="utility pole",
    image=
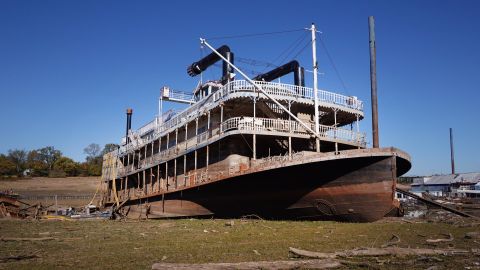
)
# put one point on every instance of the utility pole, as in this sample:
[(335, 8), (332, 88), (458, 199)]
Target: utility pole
[(452, 157), (373, 81)]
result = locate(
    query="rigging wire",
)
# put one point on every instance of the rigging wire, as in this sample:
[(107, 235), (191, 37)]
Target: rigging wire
[(289, 49), (330, 58), (297, 44), (302, 49), (256, 34)]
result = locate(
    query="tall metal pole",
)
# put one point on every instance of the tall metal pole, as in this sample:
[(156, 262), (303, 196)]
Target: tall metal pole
[(373, 80), (452, 157), (315, 83)]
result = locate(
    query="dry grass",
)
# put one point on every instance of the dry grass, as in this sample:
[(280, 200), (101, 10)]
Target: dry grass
[(44, 186), (139, 244)]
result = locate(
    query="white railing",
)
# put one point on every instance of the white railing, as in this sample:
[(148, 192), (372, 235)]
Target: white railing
[(287, 126), (180, 96), (289, 90), (248, 123), (278, 89)]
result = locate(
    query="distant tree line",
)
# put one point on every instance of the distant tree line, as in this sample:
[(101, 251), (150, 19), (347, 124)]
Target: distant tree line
[(48, 161)]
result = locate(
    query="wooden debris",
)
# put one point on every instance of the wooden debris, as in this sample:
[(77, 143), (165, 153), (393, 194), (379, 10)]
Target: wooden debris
[(449, 239), (396, 251), (18, 258), (392, 242), (302, 264), (8, 239), (472, 235)]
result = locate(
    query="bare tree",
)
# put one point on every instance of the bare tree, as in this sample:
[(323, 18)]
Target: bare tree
[(19, 158), (92, 151)]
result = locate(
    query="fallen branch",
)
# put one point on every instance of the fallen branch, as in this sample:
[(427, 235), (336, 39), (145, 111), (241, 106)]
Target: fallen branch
[(392, 242), (449, 239), (376, 252), (18, 258), (8, 239), (304, 264)]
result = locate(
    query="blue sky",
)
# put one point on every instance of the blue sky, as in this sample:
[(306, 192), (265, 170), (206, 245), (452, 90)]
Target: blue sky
[(69, 69)]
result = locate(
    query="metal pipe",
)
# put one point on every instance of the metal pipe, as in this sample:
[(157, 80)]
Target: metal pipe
[(129, 124), (452, 157), (259, 88), (292, 66), (373, 81), (198, 67)]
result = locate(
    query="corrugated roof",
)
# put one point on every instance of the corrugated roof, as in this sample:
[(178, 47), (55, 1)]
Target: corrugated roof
[(440, 179), (448, 179)]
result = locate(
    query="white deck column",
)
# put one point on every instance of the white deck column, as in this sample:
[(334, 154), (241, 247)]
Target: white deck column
[(254, 131)]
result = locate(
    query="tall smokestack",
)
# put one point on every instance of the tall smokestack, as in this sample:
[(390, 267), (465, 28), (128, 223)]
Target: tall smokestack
[(129, 124), (373, 80), (452, 157)]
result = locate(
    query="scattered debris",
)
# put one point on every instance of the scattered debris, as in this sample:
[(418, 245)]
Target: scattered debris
[(230, 223), (8, 239), (392, 242), (256, 252), (376, 252), (472, 235), (300, 264), (18, 258), (449, 239)]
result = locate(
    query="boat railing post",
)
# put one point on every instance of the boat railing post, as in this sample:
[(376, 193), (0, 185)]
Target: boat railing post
[(176, 140), (166, 174), (254, 129), (221, 118), (186, 135), (185, 170), (175, 171)]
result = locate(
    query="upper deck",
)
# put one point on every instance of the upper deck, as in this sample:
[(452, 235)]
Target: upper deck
[(349, 107)]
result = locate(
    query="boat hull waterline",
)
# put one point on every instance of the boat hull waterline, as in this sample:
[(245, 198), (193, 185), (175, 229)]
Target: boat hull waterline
[(353, 186)]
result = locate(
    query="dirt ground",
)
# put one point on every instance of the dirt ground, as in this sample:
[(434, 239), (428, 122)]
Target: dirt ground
[(70, 191), (140, 244)]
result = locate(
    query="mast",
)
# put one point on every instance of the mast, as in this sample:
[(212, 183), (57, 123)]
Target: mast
[(315, 84)]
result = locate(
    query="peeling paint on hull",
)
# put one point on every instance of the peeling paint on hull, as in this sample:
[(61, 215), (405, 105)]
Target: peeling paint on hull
[(355, 186)]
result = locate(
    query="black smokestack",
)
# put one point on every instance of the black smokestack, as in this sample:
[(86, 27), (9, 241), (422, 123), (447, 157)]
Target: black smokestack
[(292, 66), (129, 124), (198, 67)]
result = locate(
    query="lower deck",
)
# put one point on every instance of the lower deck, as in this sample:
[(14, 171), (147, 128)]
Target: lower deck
[(296, 186)]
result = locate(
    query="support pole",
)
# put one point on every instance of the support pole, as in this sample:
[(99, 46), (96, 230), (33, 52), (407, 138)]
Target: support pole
[(126, 186), (373, 81), (158, 177), (186, 136), (144, 184), (166, 174), (221, 117), (175, 171), (289, 129), (185, 170), (176, 140), (335, 130), (208, 136), (315, 84), (452, 157), (254, 129)]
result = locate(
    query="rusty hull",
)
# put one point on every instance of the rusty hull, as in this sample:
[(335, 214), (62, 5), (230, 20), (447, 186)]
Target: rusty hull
[(353, 185)]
